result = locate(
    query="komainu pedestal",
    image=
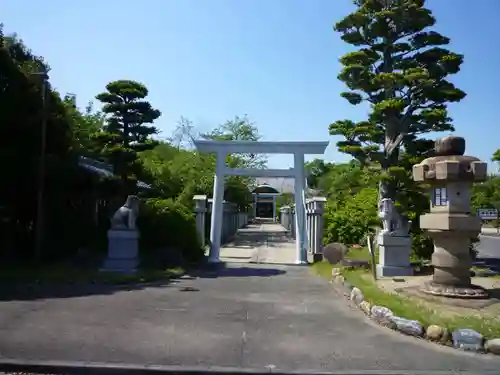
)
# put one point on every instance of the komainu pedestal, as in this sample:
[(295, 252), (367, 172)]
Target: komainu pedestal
[(394, 255), (123, 251)]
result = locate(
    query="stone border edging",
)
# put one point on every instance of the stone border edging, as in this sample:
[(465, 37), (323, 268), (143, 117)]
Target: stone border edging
[(462, 338)]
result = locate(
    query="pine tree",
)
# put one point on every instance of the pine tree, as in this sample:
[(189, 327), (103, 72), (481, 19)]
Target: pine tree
[(400, 69), (127, 130)]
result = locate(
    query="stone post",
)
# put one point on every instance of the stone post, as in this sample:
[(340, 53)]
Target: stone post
[(225, 221), (284, 219), (318, 210), (309, 222), (293, 222), (210, 204), (450, 222), (234, 219), (200, 210)]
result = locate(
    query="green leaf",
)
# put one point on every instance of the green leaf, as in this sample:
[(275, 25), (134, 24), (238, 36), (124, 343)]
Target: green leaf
[(352, 97)]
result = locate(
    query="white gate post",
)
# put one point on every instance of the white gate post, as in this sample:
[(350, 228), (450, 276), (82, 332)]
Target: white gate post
[(300, 210)]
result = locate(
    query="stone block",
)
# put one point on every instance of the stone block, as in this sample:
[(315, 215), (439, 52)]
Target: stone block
[(419, 172), (385, 239), (468, 340), (394, 256), (123, 251), (447, 170), (408, 327), (450, 222), (334, 252), (480, 170)]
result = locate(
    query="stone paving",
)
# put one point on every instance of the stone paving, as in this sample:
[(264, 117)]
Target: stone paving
[(260, 243), (243, 315)]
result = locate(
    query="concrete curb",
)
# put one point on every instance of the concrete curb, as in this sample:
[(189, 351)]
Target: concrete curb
[(96, 368)]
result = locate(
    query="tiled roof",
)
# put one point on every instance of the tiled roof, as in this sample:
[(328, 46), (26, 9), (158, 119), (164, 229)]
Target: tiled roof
[(103, 169)]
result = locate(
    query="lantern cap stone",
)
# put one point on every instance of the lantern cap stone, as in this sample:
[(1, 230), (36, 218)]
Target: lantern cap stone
[(449, 145), (450, 164)]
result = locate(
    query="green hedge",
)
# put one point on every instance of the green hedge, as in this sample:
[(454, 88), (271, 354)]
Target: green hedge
[(165, 224)]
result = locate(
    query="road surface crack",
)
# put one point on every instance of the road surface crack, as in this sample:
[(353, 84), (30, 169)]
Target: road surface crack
[(243, 344)]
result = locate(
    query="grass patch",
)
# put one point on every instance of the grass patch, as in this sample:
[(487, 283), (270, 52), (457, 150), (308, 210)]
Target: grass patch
[(67, 274), (408, 307), (361, 253)]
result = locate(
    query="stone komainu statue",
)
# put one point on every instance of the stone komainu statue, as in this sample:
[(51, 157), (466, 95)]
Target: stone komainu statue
[(124, 218), (386, 213), (392, 221)]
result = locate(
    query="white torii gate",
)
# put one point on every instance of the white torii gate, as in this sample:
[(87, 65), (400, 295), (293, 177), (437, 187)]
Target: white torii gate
[(222, 148)]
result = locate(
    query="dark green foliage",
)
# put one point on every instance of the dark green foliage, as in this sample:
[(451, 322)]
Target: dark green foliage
[(496, 156), (401, 70), (21, 114), (315, 170), (284, 199), (486, 194), (126, 132), (168, 229)]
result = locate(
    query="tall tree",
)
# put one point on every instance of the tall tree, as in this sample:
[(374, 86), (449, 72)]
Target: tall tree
[(128, 128), (400, 69), (316, 170), (85, 124), (239, 129), (496, 156), (184, 134)]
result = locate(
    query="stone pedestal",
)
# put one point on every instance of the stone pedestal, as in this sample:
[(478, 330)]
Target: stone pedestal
[(123, 251), (394, 256)]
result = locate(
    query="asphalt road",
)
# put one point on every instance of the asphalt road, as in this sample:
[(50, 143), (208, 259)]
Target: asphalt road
[(247, 316), (489, 246)]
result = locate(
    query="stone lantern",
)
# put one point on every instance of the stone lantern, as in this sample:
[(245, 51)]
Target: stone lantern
[(450, 222)]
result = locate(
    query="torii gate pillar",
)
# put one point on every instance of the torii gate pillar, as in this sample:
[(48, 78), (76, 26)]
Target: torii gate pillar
[(222, 148)]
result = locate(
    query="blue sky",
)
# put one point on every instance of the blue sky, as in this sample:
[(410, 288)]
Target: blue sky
[(275, 60)]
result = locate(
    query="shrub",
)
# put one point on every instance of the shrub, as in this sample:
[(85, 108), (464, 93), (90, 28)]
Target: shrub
[(168, 226), (349, 222), (421, 245)]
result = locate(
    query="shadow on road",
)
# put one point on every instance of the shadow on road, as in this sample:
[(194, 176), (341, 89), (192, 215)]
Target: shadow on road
[(223, 270), (30, 292), (492, 263)]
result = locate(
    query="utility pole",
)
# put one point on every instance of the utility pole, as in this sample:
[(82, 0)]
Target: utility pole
[(40, 216)]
